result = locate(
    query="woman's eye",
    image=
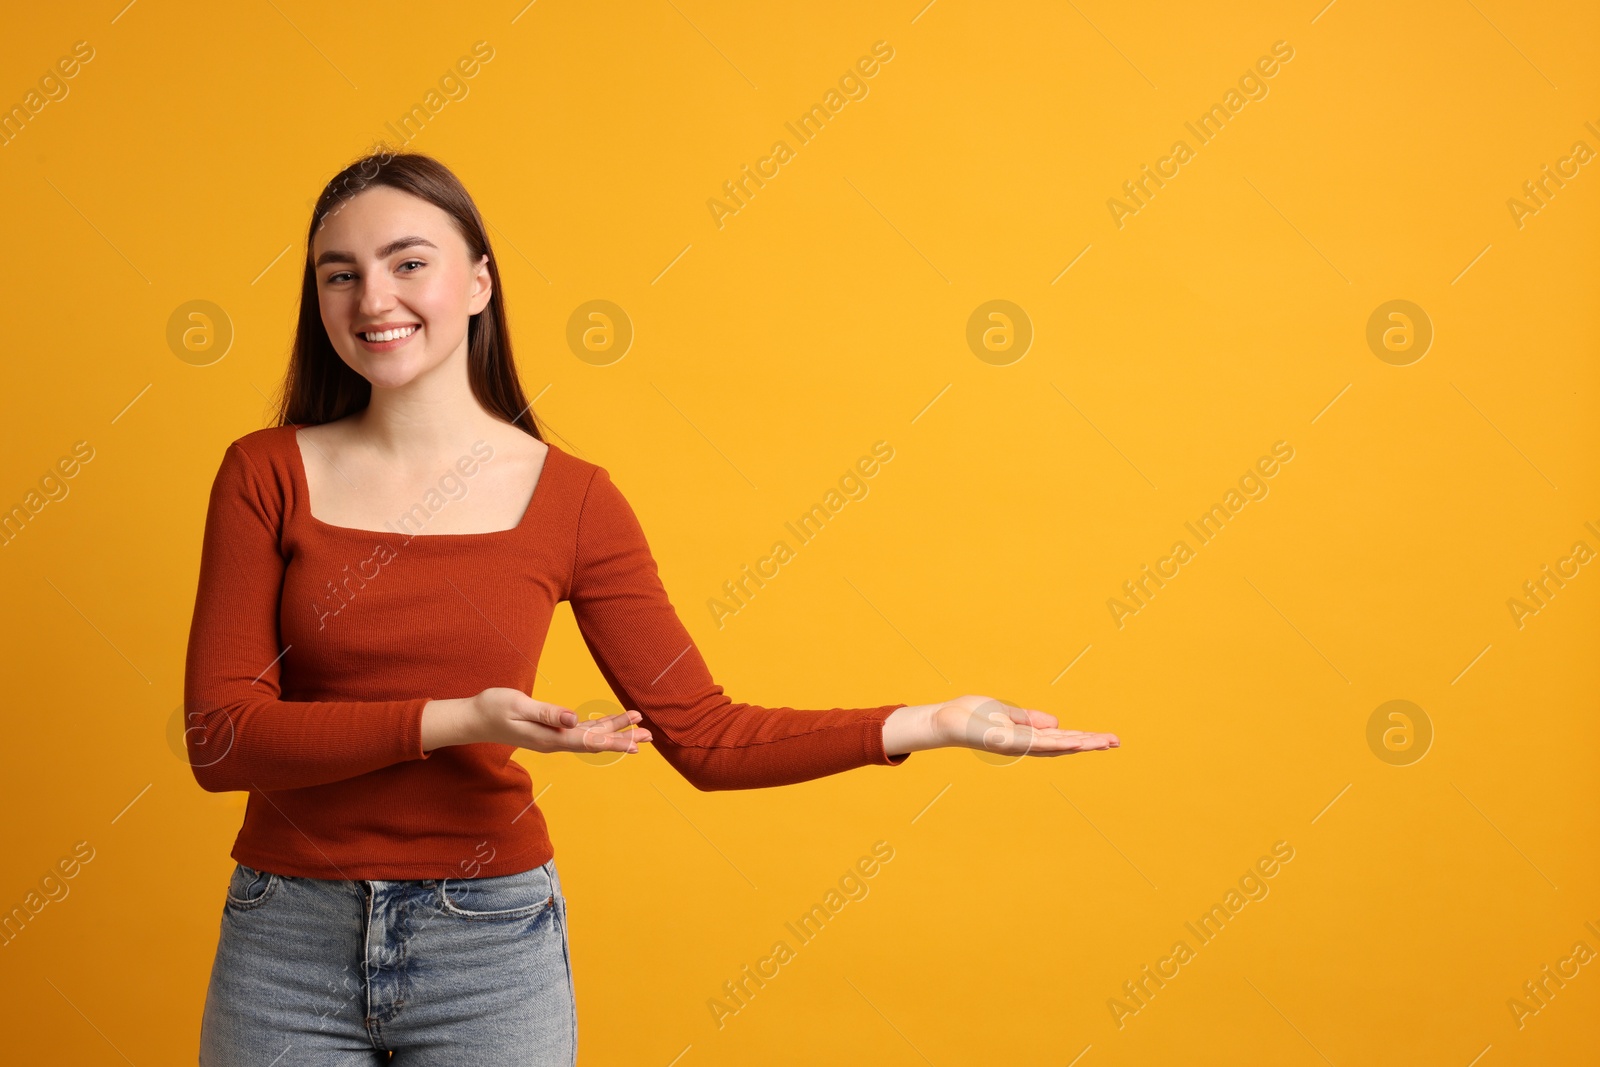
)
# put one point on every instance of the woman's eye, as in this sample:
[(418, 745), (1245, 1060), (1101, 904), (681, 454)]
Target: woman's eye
[(338, 275)]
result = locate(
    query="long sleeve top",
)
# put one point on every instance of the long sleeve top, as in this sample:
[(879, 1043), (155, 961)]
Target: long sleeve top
[(314, 649)]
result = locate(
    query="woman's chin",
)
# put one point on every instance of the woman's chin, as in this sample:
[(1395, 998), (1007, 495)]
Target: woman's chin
[(389, 374)]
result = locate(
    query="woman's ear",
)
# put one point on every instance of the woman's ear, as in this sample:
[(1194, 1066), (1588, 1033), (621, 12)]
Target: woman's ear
[(484, 283)]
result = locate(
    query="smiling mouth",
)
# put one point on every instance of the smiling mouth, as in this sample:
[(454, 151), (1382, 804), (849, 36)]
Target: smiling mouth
[(381, 336)]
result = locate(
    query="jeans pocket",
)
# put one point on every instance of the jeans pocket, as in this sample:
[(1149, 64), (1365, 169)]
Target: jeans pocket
[(249, 888), (502, 897)]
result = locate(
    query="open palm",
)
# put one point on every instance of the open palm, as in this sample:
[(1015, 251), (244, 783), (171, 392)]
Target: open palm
[(511, 717), (992, 725)]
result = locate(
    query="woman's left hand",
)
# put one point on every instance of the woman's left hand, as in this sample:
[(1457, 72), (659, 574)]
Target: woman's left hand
[(983, 722), (992, 725)]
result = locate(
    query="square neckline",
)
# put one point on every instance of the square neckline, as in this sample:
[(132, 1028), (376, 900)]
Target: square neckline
[(297, 469)]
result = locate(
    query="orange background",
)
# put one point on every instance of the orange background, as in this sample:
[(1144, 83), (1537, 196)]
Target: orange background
[(831, 312)]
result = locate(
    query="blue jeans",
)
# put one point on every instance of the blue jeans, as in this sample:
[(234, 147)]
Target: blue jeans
[(318, 971)]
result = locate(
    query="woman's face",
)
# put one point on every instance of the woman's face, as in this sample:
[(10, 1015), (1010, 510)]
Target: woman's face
[(388, 260)]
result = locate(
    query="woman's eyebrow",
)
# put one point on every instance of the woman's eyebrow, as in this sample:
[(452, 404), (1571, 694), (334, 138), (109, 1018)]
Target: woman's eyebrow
[(399, 243)]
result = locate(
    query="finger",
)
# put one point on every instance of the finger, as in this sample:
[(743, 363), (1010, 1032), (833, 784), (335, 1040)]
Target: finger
[(609, 723), (1084, 733), (1066, 742), (1025, 741), (1032, 717), (1022, 723), (1112, 739), (544, 713), (622, 725), (606, 741)]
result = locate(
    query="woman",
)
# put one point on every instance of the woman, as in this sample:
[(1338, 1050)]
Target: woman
[(377, 577)]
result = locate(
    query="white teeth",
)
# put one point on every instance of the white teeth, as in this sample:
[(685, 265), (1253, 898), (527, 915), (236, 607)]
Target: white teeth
[(390, 335)]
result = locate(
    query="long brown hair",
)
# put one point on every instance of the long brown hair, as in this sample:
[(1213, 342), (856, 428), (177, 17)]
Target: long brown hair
[(319, 386)]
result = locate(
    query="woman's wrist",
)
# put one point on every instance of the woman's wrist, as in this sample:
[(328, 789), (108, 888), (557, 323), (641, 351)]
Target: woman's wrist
[(446, 722), (912, 728)]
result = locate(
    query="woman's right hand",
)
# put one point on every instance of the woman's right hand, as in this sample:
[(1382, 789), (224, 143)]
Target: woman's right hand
[(507, 716)]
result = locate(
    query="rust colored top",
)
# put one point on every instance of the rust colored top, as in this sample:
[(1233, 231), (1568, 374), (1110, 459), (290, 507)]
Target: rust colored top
[(314, 648)]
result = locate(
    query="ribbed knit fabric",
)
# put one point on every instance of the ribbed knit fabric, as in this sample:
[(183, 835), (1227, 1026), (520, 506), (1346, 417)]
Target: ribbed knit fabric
[(314, 648)]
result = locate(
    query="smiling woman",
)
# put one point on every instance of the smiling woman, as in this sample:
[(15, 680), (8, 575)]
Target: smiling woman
[(377, 752)]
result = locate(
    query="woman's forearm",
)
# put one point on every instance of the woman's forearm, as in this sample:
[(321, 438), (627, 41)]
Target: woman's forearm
[(444, 723), (911, 729)]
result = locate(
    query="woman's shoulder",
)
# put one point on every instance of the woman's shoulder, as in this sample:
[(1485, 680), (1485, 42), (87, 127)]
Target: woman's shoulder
[(255, 469), (259, 458), (262, 449), (574, 469)]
